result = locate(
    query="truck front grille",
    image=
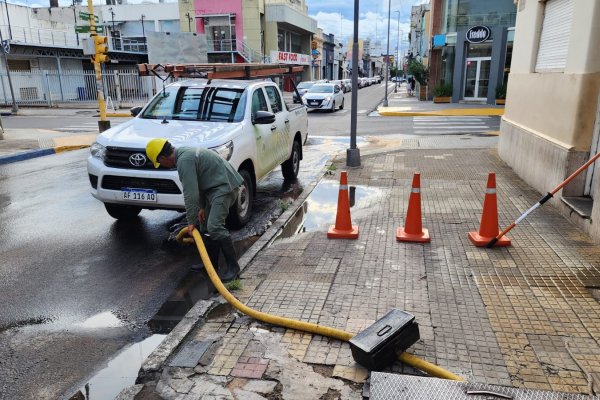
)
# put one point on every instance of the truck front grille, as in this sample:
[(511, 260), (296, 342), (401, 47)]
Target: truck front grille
[(120, 157), (165, 186)]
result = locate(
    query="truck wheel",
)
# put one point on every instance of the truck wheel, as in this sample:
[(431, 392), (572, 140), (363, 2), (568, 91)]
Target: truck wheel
[(122, 212), (291, 166), (239, 213)]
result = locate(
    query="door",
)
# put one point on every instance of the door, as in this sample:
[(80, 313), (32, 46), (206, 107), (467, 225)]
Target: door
[(263, 134), (280, 140), (477, 78)]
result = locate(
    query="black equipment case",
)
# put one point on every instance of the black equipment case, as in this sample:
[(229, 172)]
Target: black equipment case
[(376, 347)]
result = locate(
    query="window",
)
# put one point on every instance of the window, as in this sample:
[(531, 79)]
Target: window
[(258, 102), (226, 105), (274, 99), (554, 40)]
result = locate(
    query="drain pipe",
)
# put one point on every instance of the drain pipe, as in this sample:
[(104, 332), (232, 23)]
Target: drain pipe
[(344, 336)]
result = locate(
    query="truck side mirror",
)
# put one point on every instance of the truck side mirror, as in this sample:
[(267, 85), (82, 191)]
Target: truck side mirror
[(135, 111), (263, 117)]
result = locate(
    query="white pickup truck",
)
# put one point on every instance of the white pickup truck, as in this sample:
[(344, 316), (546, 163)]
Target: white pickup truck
[(246, 122)]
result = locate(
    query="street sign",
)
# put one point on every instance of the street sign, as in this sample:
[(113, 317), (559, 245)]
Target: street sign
[(86, 29), (6, 46), (86, 16)]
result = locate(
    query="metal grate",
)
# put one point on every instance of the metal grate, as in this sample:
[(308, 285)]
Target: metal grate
[(165, 186), (117, 157), (386, 386)]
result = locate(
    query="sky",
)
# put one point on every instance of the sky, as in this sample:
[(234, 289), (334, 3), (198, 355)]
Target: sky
[(337, 16)]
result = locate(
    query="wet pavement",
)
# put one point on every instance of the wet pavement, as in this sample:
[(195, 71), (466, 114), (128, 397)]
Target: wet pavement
[(83, 287), (524, 316)]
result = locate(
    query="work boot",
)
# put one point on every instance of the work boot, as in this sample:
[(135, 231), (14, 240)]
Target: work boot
[(213, 249), (232, 269)]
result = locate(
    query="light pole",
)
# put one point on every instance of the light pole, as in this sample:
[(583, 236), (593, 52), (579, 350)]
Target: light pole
[(144, 31), (8, 20), (112, 31), (190, 19), (387, 63), (397, 51), (75, 22), (353, 153), (15, 108)]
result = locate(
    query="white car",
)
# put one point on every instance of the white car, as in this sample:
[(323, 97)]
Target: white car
[(324, 96), (246, 122)]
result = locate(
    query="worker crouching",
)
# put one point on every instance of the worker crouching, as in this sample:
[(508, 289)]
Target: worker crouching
[(210, 188)]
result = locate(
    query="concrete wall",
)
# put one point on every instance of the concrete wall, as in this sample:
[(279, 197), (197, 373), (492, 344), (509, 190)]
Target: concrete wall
[(548, 125), (252, 25)]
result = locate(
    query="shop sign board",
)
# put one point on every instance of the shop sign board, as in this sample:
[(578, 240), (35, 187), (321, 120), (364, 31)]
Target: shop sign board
[(284, 57), (478, 34)]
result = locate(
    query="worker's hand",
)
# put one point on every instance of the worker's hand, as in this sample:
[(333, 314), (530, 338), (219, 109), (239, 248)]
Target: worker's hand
[(201, 216), (191, 229)]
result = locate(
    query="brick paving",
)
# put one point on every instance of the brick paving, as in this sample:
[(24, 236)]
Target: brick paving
[(522, 316)]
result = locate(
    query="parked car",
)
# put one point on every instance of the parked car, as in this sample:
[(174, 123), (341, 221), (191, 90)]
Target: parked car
[(324, 96), (246, 122), (378, 78), (302, 88), (348, 84), (341, 84)]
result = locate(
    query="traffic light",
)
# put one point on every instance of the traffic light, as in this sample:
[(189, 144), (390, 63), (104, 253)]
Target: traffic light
[(101, 47)]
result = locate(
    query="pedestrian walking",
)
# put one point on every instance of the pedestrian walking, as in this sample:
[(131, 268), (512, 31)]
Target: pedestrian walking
[(210, 188), (412, 86)]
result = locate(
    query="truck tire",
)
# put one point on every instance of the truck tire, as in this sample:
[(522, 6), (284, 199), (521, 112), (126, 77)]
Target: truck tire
[(239, 213), (122, 212), (291, 166)]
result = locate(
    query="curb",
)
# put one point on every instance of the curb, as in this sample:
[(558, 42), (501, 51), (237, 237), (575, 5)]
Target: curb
[(452, 112), (26, 155), (151, 369)]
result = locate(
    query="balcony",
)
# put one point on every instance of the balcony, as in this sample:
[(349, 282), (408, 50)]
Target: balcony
[(460, 21), (283, 13)]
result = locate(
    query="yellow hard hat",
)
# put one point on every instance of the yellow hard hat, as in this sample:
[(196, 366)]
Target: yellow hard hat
[(153, 149)]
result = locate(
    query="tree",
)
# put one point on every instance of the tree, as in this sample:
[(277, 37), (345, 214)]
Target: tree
[(418, 70)]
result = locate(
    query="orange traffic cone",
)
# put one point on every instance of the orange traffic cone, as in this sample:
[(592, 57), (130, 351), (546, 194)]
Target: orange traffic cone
[(413, 230), (488, 229), (343, 228)]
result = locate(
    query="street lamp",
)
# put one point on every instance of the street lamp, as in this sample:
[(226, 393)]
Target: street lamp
[(8, 20), (144, 31), (353, 153), (397, 51), (112, 21), (190, 19), (385, 100)]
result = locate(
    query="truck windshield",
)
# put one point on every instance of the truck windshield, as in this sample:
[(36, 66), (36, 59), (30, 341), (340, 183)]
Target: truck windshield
[(198, 104)]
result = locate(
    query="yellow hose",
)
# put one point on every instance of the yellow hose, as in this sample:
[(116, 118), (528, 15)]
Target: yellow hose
[(406, 358)]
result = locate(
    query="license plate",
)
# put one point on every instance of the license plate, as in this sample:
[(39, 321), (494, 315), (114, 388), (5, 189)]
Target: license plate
[(312, 102), (133, 194)]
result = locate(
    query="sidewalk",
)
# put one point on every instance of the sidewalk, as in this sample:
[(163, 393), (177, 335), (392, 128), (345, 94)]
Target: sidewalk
[(401, 105), (526, 316), (23, 144)]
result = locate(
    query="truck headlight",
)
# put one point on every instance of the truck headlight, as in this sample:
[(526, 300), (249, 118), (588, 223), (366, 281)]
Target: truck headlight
[(224, 150), (98, 151)]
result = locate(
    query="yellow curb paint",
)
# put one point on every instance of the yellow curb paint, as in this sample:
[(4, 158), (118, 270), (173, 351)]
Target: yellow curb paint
[(492, 133), (404, 112), (66, 143), (119, 115)]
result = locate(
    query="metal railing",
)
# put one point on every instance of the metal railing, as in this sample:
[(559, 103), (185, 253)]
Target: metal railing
[(46, 37), (234, 45), (122, 88)]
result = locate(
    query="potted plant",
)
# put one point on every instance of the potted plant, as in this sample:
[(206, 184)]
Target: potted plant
[(442, 93), (501, 94), (419, 71)]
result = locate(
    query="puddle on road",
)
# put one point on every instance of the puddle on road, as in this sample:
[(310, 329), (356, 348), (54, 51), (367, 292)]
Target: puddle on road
[(102, 320), (318, 140), (319, 210), (120, 373)]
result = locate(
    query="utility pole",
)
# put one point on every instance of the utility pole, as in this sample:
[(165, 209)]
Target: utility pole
[(99, 57), (397, 51), (15, 108), (75, 22), (353, 153), (112, 30), (190, 19), (8, 20), (387, 63), (144, 32)]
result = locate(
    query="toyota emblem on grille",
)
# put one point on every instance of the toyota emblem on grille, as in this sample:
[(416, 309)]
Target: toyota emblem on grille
[(137, 160)]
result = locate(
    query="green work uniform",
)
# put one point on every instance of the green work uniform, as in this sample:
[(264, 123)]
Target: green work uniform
[(209, 183)]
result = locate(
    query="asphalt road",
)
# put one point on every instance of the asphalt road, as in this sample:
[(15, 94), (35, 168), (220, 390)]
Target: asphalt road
[(77, 287)]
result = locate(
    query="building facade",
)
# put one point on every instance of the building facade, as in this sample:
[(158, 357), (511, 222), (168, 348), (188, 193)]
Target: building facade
[(552, 118), (471, 48), (257, 31)]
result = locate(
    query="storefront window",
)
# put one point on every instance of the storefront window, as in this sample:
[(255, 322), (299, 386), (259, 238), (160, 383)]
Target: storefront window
[(462, 14), (296, 43), (280, 40), (479, 50), (448, 64)]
